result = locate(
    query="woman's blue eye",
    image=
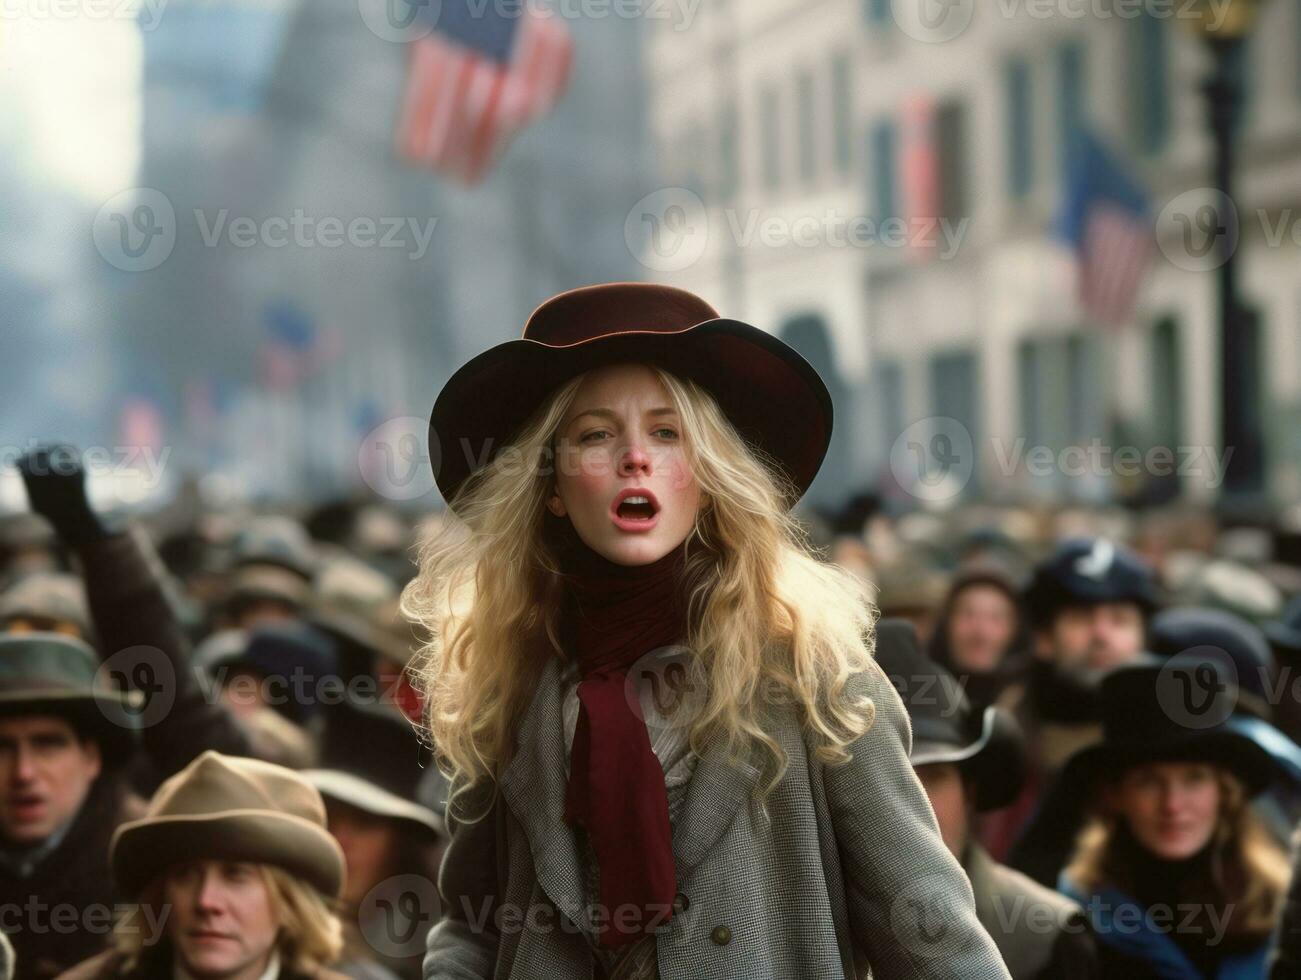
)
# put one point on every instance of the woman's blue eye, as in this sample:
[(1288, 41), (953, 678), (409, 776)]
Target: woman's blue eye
[(598, 432), (672, 433)]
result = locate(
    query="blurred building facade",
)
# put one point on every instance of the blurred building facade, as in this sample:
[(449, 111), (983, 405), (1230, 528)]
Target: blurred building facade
[(808, 119), (268, 110)]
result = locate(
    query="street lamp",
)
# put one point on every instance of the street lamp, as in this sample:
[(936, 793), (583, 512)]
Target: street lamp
[(1223, 26)]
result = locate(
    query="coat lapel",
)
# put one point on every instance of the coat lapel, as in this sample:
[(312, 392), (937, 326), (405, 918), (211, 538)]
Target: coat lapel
[(718, 787), (534, 787)]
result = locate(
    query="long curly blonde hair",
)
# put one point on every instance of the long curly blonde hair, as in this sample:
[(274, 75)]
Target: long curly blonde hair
[(768, 620)]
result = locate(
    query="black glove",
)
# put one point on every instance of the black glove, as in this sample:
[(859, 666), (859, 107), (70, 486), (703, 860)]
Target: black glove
[(56, 489)]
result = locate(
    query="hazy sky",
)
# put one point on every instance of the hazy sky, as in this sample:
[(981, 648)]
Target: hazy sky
[(71, 86)]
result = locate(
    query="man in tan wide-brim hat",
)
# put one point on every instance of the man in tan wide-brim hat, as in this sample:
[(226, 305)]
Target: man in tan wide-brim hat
[(234, 875)]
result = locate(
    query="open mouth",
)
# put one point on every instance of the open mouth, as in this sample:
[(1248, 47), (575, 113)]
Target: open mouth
[(26, 806), (634, 508)]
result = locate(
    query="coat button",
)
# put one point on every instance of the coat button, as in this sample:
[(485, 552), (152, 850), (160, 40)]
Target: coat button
[(681, 903), (721, 935)]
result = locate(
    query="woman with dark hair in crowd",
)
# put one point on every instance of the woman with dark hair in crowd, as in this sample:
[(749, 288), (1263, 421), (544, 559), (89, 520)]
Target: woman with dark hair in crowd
[(1179, 878), (980, 634)]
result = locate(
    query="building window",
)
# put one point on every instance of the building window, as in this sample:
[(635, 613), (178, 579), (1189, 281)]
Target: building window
[(691, 154), (1020, 135), (955, 394), (1149, 73), (770, 130), (1167, 384), (1028, 370), (729, 171), (1084, 388), (842, 113), (1071, 84), (951, 152), (883, 152), (806, 124), (890, 401)]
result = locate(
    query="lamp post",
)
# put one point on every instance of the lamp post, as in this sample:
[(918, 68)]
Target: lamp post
[(1223, 26)]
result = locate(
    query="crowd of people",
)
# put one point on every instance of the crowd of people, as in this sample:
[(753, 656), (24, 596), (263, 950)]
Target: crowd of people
[(211, 763), (1105, 721), (207, 751)]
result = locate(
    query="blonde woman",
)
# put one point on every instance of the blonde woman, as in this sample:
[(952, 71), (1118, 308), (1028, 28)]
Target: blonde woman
[(671, 752), (233, 877), (1179, 877)]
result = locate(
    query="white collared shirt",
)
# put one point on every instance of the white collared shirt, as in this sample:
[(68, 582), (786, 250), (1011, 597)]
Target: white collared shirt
[(179, 972)]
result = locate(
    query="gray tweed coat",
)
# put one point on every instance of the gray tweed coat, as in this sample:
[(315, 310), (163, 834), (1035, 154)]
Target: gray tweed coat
[(842, 868)]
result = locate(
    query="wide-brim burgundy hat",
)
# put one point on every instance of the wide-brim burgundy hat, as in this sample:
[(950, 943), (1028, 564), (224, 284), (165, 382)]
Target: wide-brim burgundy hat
[(771, 395)]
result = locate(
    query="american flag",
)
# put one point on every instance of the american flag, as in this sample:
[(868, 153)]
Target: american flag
[(482, 73), (1105, 217), (294, 348), (140, 422), (919, 174)]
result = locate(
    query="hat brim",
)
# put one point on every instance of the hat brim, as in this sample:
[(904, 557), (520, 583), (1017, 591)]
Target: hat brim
[(995, 762), (265, 581), (143, 849), (373, 799), (1284, 637), (109, 718), (355, 630), (1251, 749), (770, 394)]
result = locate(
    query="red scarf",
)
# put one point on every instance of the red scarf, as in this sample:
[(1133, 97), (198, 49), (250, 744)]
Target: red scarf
[(616, 614)]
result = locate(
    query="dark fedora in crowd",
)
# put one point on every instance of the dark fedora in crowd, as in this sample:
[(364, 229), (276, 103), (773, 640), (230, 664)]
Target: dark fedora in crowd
[(1182, 709), (49, 673), (372, 759), (299, 654), (986, 746), (1088, 571), (1239, 645), (1285, 632)]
